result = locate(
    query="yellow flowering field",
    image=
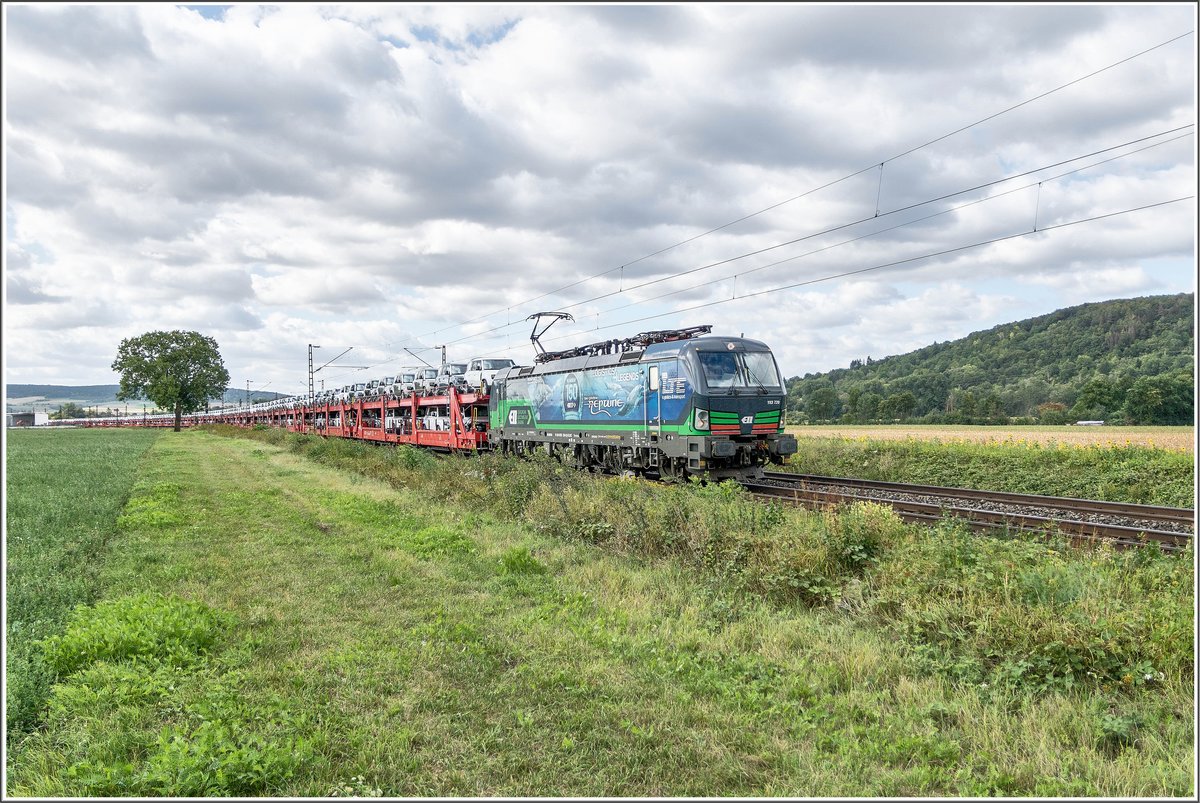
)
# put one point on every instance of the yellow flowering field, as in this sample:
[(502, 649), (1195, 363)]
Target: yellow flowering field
[(1177, 439)]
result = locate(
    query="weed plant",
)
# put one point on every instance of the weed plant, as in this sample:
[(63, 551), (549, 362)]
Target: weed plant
[(124, 666)]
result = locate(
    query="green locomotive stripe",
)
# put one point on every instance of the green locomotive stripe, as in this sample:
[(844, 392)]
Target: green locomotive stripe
[(717, 418), (681, 430), (724, 417)]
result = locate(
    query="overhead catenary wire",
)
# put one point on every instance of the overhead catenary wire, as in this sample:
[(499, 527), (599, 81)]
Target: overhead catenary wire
[(984, 185), (832, 229), (898, 210), (1038, 184), (874, 165), (899, 262), (884, 266), (477, 335)]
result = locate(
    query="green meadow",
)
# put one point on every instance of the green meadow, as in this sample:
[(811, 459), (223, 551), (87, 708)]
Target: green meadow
[(245, 613)]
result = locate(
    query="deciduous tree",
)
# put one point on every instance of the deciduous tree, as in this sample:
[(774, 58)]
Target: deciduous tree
[(822, 404), (176, 370), (69, 410)]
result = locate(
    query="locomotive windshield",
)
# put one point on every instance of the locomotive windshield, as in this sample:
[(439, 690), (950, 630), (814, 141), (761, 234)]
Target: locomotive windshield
[(728, 370), (761, 370)]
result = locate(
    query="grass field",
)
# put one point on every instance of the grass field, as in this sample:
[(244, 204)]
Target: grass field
[(298, 617), (1008, 459), (1182, 439), (64, 492)]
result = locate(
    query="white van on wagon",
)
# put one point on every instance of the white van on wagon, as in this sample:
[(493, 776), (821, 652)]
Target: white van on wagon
[(482, 370)]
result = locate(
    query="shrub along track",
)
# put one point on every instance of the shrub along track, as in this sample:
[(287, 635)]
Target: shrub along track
[(1083, 520)]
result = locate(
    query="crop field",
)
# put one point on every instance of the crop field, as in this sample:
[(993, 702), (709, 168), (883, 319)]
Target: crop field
[(64, 491), (1180, 439), (278, 615)]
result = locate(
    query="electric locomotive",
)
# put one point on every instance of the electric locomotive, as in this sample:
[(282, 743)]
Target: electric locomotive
[(672, 403)]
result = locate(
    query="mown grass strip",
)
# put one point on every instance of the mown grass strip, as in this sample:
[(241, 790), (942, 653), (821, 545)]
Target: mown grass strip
[(65, 490), (405, 646)]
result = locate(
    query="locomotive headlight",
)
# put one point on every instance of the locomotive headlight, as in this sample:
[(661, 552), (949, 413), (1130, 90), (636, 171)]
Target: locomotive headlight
[(702, 419)]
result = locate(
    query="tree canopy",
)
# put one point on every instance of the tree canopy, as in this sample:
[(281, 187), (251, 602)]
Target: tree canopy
[(176, 370)]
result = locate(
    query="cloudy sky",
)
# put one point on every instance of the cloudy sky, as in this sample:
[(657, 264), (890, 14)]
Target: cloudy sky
[(382, 177)]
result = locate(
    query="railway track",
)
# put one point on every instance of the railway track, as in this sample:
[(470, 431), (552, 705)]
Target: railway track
[(1082, 520)]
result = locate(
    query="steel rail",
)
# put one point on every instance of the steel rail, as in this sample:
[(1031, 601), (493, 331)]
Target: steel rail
[(1176, 515), (977, 518)]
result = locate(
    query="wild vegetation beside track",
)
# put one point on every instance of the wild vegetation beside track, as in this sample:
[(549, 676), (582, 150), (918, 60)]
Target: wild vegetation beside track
[(296, 616), (1109, 470)]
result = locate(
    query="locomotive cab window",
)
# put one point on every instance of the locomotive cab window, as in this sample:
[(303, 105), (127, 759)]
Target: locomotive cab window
[(720, 368), (728, 370), (761, 370)]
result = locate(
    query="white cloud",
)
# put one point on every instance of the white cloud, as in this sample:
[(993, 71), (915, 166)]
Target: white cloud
[(379, 174), (338, 291), (1079, 283)]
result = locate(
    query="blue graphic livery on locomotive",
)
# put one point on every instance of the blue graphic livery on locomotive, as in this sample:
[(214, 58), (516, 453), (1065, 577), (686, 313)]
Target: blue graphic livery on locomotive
[(668, 403)]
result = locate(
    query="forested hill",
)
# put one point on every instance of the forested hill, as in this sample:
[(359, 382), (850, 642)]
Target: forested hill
[(1124, 361)]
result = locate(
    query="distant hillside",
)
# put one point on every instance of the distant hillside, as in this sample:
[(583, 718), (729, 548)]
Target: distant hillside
[(1123, 361), (20, 398), (90, 393)]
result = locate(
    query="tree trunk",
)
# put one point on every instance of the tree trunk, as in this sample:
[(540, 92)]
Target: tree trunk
[(178, 414)]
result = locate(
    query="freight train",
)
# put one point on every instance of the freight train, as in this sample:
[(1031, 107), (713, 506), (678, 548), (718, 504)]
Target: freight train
[(670, 403)]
